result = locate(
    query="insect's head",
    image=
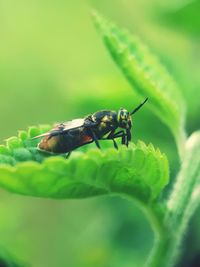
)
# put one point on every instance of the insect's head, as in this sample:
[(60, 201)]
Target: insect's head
[(124, 116)]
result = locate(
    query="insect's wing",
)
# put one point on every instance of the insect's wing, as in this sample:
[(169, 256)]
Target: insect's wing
[(72, 124), (62, 128), (57, 129), (41, 135)]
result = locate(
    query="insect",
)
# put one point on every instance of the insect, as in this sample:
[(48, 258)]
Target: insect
[(102, 125)]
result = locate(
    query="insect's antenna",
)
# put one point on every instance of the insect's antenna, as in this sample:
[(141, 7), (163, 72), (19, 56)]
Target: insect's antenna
[(138, 107)]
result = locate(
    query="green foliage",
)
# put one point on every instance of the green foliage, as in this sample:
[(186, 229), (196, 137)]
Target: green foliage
[(185, 197), (181, 205), (188, 183), (22, 148), (139, 171), (186, 18), (149, 78), (6, 260), (147, 75)]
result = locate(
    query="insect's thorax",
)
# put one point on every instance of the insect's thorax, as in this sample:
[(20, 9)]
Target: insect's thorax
[(107, 121)]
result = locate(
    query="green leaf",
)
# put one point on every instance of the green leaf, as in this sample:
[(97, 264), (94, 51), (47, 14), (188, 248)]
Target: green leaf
[(23, 148), (182, 204), (146, 74), (174, 5), (139, 171), (7, 260), (187, 187), (185, 18)]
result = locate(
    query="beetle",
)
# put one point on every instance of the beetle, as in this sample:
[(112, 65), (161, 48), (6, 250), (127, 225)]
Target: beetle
[(101, 125)]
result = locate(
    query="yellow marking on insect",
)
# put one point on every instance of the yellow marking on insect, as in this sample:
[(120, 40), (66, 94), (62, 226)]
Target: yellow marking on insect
[(102, 125), (118, 116), (93, 118), (105, 118)]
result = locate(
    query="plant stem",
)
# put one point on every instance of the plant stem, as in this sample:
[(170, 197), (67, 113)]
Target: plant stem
[(156, 258), (181, 205), (161, 237), (180, 139)]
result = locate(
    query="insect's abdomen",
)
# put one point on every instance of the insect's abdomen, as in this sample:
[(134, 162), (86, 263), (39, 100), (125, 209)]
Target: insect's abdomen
[(65, 142), (51, 144)]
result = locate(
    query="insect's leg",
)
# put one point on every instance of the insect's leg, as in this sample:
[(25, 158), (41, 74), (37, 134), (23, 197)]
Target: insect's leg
[(95, 138), (123, 136), (115, 144), (68, 155), (110, 136), (128, 134), (113, 135)]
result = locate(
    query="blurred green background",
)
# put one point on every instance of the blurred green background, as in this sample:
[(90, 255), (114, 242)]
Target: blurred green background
[(54, 67)]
